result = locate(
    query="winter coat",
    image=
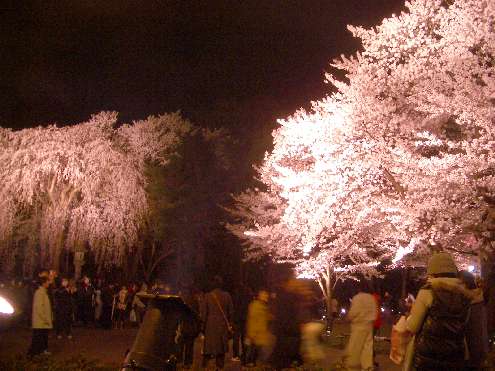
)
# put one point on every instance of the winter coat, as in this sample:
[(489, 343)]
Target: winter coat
[(258, 318), (362, 314), (378, 321), (438, 318), (64, 305), (363, 309), (85, 295), (290, 313), (107, 295), (191, 322), (216, 330), (42, 310), (477, 330)]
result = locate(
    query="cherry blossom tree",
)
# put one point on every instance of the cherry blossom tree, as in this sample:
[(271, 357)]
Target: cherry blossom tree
[(398, 161), (80, 185)]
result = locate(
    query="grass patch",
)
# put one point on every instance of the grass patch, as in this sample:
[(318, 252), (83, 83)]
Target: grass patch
[(48, 363)]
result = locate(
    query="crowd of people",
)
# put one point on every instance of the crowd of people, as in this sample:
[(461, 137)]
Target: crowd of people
[(446, 322)]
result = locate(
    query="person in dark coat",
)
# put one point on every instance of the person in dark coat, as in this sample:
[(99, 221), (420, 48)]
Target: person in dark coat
[(216, 313), (107, 295), (86, 301), (291, 311), (64, 306), (190, 327), (241, 303), (477, 326)]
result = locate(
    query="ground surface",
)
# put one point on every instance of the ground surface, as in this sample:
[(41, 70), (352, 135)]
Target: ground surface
[(109, 346)]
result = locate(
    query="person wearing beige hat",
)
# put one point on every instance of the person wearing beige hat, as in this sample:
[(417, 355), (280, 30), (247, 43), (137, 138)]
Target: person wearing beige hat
[(438, 319)]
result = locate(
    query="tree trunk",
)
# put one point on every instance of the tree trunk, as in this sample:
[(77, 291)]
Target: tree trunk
[(325, 283), (405, 274), (488, 275), (78, 263), (134, 264)]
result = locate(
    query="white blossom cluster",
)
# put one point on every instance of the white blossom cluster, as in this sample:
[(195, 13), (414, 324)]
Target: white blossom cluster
[(398, 161), (68, 187)]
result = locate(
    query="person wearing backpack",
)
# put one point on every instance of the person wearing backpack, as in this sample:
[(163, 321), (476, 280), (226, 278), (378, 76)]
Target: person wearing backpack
[(439, 318)]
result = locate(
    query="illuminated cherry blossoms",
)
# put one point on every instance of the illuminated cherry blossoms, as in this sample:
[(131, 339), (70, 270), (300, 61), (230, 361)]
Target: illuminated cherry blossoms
[(82, 185), (397, 162)]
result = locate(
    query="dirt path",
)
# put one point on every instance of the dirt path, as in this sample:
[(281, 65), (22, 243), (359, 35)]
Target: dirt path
[(109, 347)]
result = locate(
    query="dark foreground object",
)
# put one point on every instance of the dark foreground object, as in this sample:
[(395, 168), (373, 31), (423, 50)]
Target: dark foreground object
[(155, 346)]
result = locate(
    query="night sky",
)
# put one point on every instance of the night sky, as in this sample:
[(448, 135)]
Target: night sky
[(238, 64)]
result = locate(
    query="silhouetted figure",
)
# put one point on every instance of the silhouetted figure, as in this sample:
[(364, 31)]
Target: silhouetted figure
[(216, 312), (85, 295), (290, 312), (64, 309), (107, 294)]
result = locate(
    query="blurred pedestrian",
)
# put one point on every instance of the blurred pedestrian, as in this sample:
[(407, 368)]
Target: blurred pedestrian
[(64, 308), (362, 315), (216, 313), (42, 321), (259, 340), (242, 298), (377, 324), (289, 314), (477, 326)]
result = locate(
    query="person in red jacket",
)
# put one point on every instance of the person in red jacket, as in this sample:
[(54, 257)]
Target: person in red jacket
[(378, 321)]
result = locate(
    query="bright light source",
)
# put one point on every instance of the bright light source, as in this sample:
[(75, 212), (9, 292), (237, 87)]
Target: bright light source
[(5, 306), (342, 311), (471, 268), (383, 310)]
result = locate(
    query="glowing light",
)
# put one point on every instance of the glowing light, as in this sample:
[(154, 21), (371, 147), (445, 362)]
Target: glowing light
[(305, 276), (383, 310), (307, 248), (5, 306), (471, 268), (403, 251), (343, 311)]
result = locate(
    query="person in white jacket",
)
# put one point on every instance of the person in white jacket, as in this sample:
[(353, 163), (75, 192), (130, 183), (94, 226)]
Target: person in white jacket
[(362, 314), (42, 320)]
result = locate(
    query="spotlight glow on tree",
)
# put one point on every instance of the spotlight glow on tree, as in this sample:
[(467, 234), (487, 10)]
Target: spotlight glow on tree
[(399, 158), (82, 184)]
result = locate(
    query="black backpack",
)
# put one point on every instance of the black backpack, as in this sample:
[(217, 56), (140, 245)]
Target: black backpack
[(440, 343)]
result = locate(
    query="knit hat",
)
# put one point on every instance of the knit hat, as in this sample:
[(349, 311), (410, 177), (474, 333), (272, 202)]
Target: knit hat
[(441, 263)]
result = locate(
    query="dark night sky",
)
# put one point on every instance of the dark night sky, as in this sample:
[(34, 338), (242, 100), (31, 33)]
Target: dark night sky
[(231, 63)]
